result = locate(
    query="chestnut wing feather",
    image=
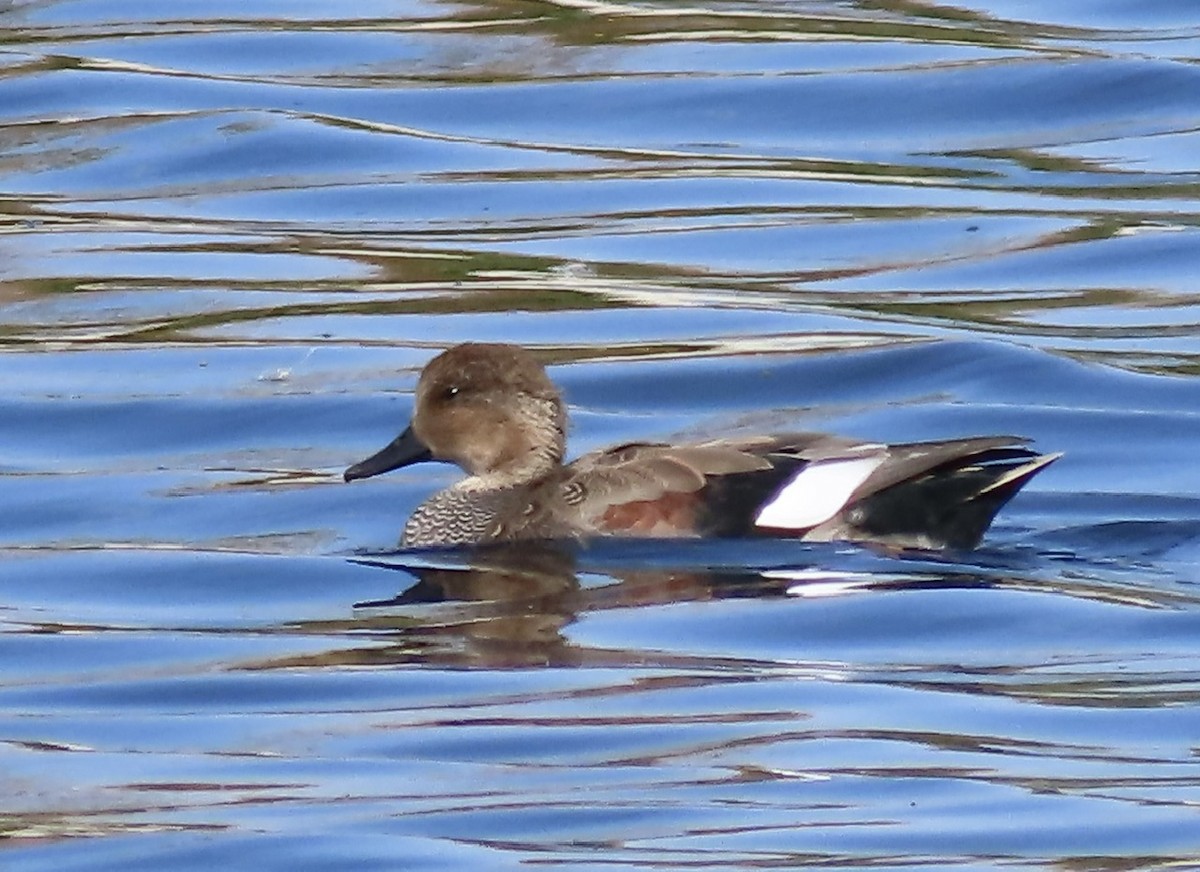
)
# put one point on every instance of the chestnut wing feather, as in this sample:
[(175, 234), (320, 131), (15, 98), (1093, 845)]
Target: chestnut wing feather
[(644, 486)]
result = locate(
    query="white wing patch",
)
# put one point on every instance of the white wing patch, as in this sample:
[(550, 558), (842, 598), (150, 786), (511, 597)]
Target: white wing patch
[(818, 493)]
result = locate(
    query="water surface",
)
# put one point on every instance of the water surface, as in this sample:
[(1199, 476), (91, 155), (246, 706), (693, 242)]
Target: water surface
[(232, 234)]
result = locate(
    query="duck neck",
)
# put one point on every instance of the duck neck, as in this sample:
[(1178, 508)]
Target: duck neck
[(532, 453), (512, 475)]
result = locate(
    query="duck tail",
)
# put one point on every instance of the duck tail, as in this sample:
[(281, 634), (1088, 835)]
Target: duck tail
[(951, 506)]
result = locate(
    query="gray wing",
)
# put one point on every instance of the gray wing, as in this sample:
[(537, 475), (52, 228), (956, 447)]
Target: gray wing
[(645, 473), (902, 462)]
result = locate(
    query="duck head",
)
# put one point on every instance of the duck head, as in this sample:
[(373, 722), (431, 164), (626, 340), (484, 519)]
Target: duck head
[(488, 408)]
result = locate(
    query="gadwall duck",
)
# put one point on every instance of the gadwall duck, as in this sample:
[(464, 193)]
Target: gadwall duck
[(492, 410)]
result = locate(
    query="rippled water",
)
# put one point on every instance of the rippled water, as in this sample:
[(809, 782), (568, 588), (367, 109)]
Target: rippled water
[(230, 234)]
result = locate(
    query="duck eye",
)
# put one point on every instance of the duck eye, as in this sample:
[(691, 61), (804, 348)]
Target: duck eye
[(450, 392)]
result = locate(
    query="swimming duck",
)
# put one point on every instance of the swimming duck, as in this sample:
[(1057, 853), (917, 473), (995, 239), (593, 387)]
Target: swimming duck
[(492, 410)]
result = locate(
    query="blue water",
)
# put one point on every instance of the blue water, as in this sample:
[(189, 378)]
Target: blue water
[(231, 234)]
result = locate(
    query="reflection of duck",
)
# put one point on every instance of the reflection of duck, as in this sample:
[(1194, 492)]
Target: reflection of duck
[(508, 604), (493, 411)]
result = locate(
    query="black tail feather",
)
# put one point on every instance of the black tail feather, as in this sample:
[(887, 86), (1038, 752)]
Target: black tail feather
[(951, 506)]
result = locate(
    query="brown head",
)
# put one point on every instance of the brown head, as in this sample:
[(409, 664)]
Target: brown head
[(489, 408)]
